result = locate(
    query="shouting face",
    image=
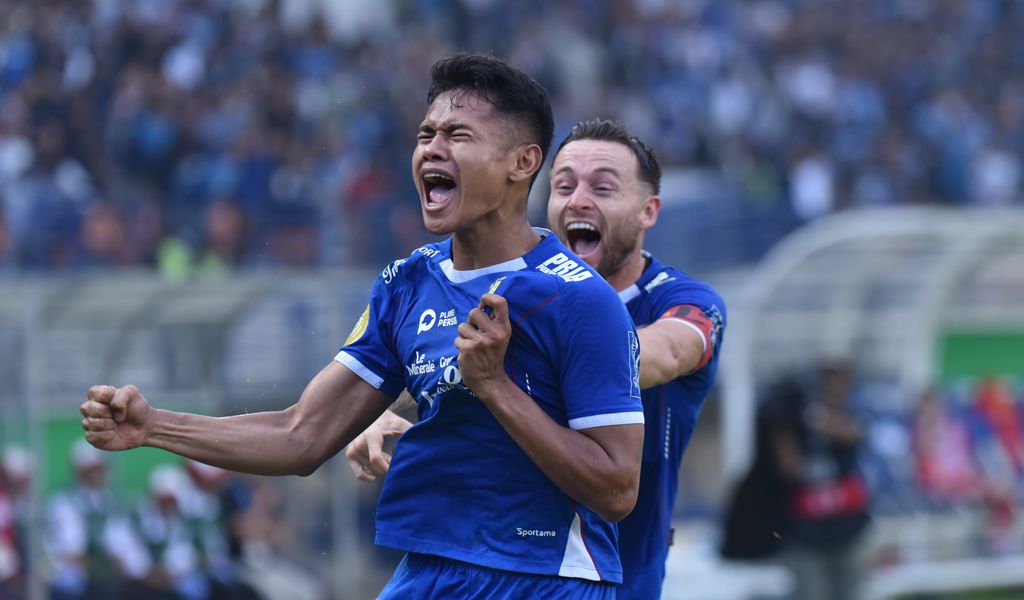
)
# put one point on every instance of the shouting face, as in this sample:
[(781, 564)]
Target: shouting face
[(598, 206), (462, 161)]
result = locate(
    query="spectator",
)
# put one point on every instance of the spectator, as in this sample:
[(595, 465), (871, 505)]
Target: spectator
[(17, 468), (815, 441), (202, 506), (11, 566), (166, 546), (84, 527), (273, 103)]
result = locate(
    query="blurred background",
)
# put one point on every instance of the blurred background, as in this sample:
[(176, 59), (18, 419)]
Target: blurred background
[(195, 197)]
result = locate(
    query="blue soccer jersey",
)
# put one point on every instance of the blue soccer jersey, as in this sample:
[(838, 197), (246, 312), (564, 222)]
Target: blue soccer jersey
[(459, 486), (670, 412)]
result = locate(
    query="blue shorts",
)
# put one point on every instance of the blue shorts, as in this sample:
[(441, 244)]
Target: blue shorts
[(422, 576)]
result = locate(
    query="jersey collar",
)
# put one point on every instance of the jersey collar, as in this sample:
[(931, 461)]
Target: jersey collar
[(633, 291), (516, 264)]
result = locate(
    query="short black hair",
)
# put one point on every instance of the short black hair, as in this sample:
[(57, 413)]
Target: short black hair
[(510, 91), (648, 169)]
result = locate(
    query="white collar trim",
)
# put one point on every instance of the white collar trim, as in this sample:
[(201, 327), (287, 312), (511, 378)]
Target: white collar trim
[(629, 293), (516, 264)]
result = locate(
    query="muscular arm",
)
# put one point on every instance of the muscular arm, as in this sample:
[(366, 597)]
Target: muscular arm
[(335, 406), (599, 466), (671, 346)]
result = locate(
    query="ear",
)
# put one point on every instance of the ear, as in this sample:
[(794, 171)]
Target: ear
[(528, 159), (649, 211)]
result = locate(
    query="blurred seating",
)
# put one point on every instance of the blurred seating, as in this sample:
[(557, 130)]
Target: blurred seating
[(123, 124)]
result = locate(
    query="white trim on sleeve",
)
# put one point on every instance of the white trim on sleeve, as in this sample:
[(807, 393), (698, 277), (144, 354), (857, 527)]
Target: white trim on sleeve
[(622, 418), (359, 369), (703, 338)]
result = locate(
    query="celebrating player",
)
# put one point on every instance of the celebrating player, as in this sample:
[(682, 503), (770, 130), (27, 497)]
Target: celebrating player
[(521, 359), (604, 196)]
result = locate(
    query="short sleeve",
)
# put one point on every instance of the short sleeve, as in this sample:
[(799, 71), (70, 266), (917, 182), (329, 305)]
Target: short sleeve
[(600, 358), (369, 349), (697, 306)]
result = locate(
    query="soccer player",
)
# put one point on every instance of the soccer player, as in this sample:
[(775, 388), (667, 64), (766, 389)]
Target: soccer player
[(604, 195), (522, 360)]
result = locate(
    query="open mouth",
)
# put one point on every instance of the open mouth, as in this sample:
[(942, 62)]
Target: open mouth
[(439, 188), (583, 238)]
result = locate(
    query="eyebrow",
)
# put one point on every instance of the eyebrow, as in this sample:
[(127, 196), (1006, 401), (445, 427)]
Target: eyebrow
[(444, 127), (609, 170)]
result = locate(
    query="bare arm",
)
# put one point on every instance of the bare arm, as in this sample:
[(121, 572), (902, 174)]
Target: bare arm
[(335, 406), (599, 467), (672, 347)]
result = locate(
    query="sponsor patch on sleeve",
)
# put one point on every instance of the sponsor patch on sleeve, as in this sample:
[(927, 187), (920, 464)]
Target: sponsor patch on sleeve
[(360, 327), (634, 364)]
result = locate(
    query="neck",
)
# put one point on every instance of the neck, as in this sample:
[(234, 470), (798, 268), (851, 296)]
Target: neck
[(493, 239), (630, 271)]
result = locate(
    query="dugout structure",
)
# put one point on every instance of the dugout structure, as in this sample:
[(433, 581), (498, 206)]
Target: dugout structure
[(914, 298), (213, 346), (909, 295)]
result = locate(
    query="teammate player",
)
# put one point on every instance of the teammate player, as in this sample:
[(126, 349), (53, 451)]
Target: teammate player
[(523, 363), (604, 196)]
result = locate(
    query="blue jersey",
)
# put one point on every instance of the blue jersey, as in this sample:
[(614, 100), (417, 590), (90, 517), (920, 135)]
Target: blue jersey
[(459, 486), (670, 412)]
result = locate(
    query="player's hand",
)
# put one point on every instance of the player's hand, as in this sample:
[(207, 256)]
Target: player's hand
[(482, 343), (366, 455), (115, 418)]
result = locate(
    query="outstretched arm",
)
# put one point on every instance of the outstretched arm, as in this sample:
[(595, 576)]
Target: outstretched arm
[(599, 466), (335, 406), (678, 343)]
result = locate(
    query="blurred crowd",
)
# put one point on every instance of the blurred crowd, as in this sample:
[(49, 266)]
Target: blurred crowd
[(198, 533), (206, 135), (834, 452)]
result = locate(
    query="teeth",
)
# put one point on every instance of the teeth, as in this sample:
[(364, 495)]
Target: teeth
[(580, 226), (437, 178)]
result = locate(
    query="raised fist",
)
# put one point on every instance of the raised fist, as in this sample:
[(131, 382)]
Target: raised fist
[(115, 418)]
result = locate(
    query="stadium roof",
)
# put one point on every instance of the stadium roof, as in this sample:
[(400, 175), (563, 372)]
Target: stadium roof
[(879, 287)]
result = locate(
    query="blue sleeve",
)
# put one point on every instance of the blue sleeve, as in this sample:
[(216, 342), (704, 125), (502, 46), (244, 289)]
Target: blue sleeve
[(369, 349), (600, 357), (691, 292)]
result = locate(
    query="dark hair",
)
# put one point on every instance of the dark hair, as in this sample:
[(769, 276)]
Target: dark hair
[(510, 91), (648, 168)]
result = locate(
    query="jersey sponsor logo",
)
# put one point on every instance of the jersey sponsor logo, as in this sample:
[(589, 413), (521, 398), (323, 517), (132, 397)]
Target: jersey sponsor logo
[(564, 267), (447, 319), (451, 377), (428, 252), (525, 533), (634, 364), (659, 279), (427, 320), (389, 272), (421, 365), (360, 327)]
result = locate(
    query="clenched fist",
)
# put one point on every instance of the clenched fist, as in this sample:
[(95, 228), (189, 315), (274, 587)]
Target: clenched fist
[(115, 418), (482, 343)]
